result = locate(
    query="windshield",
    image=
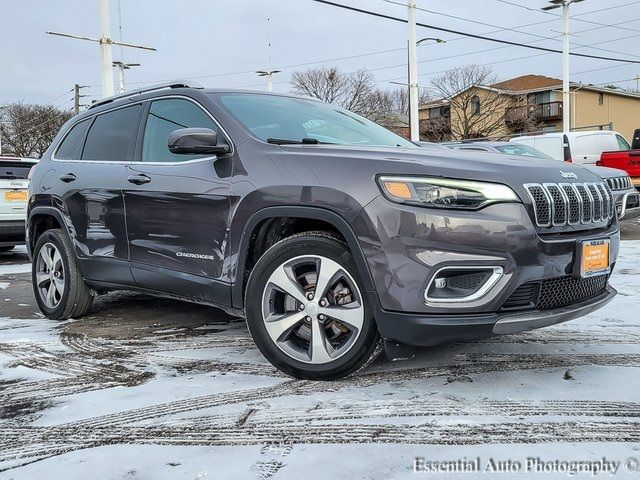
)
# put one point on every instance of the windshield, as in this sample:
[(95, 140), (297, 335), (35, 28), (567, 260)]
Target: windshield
[(522, 150), (287, 120)]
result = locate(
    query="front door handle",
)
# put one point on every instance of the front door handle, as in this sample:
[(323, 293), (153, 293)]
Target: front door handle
[(67, 177), (138, 179)]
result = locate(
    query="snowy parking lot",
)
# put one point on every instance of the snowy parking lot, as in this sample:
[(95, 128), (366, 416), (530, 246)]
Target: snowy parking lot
[(147, 388)]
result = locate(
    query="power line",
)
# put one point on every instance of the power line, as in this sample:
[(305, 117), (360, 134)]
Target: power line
[(350, 57), (576, 16), (472, 35), (511, 29), (281, 67)]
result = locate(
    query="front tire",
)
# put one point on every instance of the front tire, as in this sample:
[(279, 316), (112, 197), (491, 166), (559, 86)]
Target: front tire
[(58, 285), (307, 311)]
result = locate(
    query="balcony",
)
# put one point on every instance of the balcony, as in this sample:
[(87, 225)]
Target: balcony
[(541, 112)]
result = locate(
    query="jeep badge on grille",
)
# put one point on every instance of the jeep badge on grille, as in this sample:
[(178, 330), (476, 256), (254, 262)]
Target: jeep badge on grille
[(568, 175)]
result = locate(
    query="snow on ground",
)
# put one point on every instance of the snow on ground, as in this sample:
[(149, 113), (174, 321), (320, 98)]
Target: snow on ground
[(117, 396)]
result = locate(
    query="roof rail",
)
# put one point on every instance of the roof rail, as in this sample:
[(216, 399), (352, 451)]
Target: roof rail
[(152, 88)]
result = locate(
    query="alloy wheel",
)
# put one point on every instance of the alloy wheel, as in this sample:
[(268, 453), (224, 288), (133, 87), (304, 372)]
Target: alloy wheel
[(50, 275), (312, 309)]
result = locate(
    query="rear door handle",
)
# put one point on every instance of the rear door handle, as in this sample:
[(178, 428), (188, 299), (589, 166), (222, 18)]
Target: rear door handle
[(138, 179), (67, 177)]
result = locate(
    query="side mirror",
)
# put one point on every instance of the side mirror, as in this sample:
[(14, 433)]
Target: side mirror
[(195, 141)]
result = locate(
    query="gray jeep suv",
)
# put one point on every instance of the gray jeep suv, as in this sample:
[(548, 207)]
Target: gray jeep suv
[(333, 236)]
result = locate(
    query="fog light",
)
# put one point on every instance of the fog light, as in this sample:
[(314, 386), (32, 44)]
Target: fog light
[(440, 282), (458, 284)]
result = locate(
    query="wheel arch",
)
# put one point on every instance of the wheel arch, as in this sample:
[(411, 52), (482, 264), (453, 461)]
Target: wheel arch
[(41, 219), (258, 219)]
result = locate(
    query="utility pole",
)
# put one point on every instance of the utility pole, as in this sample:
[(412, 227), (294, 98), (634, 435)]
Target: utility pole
[(76, 98), (105, 41), (566, 88), (105, 50), (414, 121)]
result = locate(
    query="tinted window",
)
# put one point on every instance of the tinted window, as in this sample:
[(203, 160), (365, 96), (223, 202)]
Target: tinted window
[(10, 170), (112, 135), (71, 146), (166, 116)]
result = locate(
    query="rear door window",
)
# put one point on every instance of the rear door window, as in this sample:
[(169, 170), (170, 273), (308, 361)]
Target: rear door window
[(71, 146), (112, 135)]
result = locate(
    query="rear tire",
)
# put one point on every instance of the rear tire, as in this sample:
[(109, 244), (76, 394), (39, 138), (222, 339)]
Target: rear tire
[(308, 334), (58, 285)]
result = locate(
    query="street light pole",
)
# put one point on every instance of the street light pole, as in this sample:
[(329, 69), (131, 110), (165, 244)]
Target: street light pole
[(122, 66), (269, 74), (414, 121), (566, 97), (566, 89), (409, 84)]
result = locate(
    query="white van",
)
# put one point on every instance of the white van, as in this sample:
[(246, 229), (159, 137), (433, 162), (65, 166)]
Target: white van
[(578, 147)]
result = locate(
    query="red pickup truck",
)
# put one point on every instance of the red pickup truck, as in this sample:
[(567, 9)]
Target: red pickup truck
[(627, 160)]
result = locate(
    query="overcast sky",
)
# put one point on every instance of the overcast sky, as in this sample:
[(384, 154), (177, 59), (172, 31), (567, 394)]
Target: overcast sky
[(215, 39)]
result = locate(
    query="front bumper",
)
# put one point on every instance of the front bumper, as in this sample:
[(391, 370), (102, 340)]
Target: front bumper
[(11, 232), (419, 330), (405, 246)]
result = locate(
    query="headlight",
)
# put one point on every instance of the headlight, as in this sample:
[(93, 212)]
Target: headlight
[(445, 192)]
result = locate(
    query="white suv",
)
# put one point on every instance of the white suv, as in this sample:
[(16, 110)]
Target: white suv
[(14, 183)]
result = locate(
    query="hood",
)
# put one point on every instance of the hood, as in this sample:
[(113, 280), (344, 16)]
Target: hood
[(606, 172), (469, 165)]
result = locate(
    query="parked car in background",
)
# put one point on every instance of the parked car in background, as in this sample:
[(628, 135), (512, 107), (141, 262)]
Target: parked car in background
[(14, 184), (430, 145), (626, 196), (577, 147), (627, 160)]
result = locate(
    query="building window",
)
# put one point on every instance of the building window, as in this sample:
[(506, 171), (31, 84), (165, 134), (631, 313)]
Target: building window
[(475, 105), (601, 98)]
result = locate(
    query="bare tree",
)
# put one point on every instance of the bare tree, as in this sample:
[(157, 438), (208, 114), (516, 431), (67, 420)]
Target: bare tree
[(356, 92), (436, 129), (27, 130), (477, 109), (396, 101), (346, 90)]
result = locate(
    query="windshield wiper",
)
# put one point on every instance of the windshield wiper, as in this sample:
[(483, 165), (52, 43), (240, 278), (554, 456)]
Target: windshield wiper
[(304, 141)]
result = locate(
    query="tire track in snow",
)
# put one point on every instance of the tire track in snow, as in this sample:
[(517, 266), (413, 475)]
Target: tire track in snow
[(437, 407), (428, 433)]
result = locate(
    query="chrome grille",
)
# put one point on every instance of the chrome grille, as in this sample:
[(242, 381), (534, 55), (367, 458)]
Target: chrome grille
[(570, 203), (619, 183)]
